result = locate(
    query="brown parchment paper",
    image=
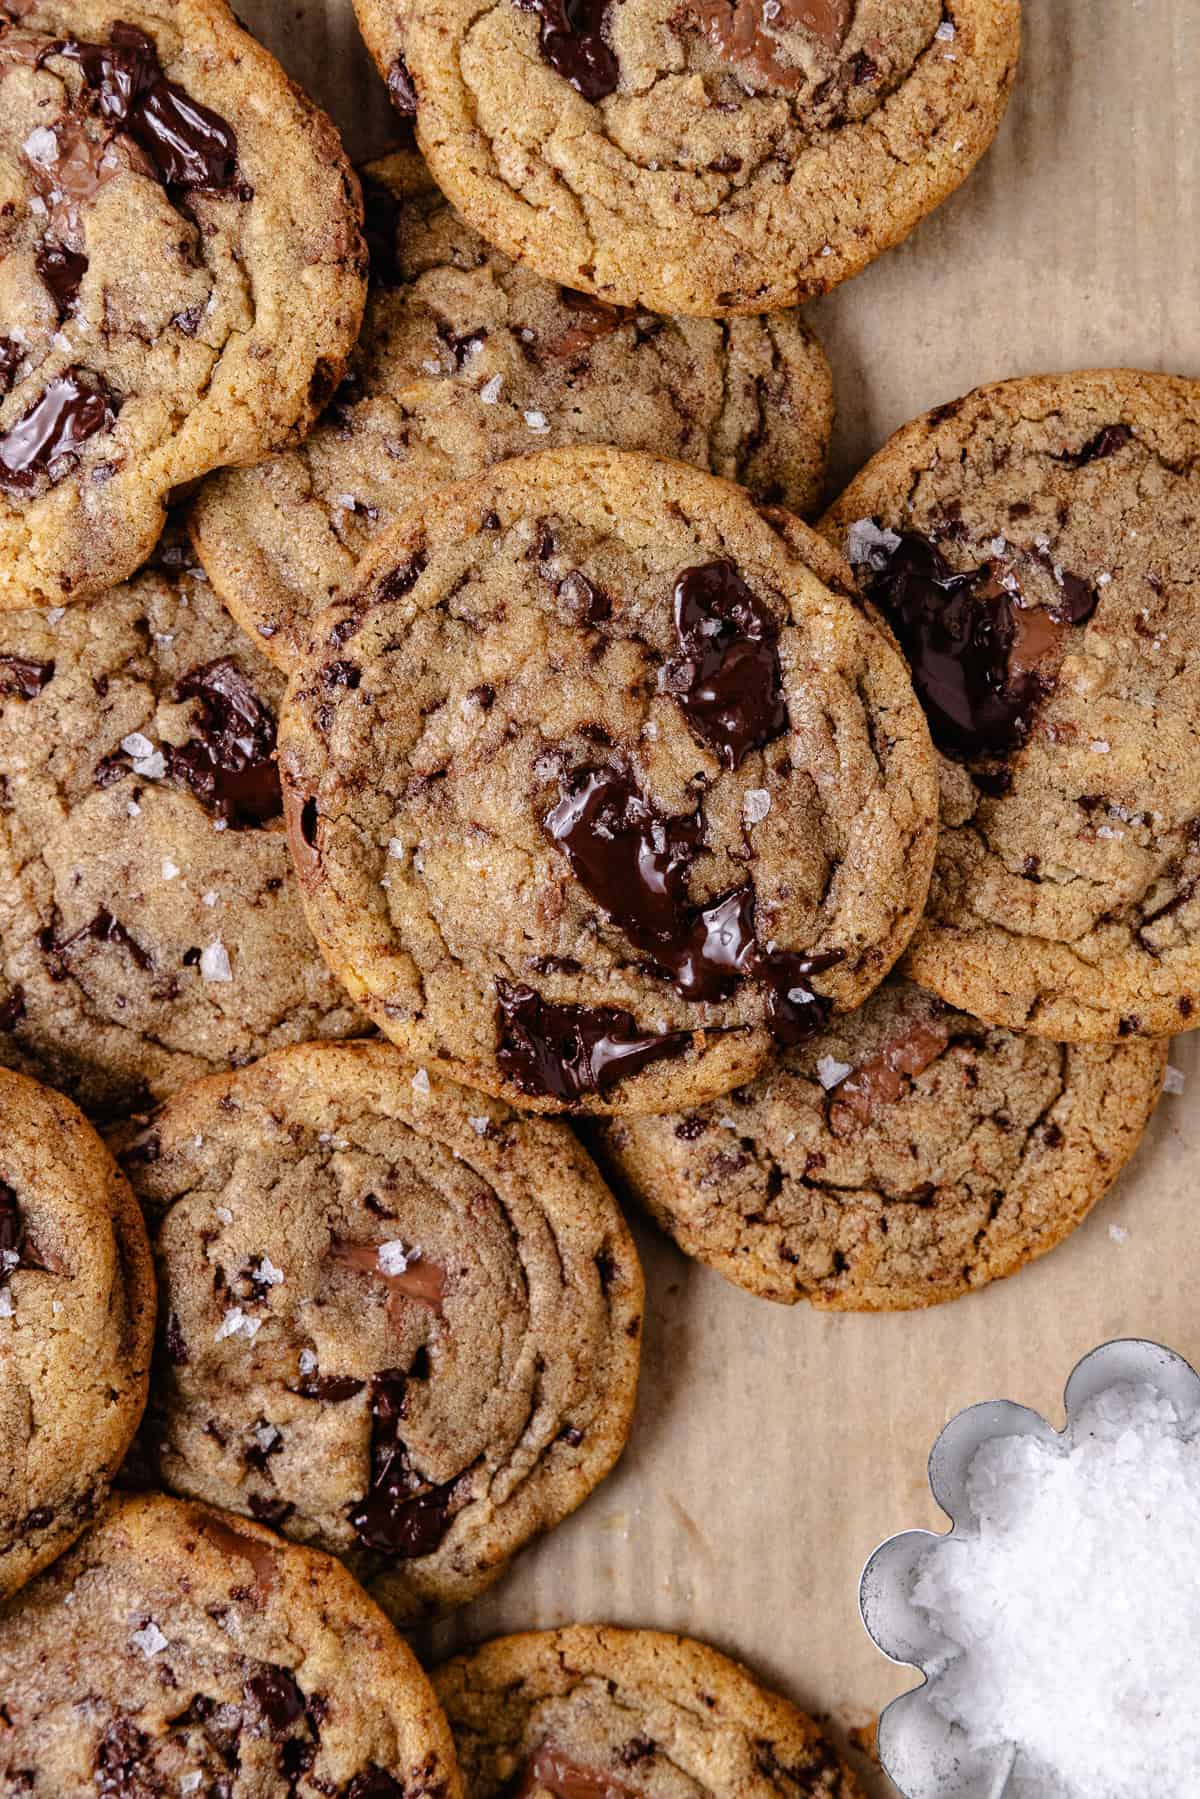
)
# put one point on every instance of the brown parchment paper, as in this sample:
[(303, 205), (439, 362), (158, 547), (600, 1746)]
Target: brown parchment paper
[(775, 1447)]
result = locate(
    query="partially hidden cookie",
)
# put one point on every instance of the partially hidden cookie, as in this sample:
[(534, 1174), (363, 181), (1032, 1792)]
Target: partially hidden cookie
[(400, 1323), (597, 792), (177, 1650), (590, 1712), (181, 274), (907, 1155), (467, 358), (698, 156), (76, 1326), (1034, 547), (150, 928)]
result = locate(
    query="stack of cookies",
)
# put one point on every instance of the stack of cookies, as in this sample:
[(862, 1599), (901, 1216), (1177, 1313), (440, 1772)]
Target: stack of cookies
[(437, 765)]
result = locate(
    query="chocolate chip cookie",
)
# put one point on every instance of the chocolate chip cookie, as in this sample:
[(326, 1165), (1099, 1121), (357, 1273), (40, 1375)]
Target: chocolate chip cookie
[(176, 1650), (150, 929), (906, 1156), (399, 1322), (698, 156), (595, 1713), (181, 274), (466, 358), (76, 1324), (1034, 546), (597, 792)]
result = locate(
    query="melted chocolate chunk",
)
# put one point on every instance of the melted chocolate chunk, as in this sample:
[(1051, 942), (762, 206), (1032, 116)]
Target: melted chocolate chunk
[(727, 678), (104, 928), (587, 603), (277, 1697), (68, 413), (401, 1516), (21, 675), (550, 1771), (62, 270), (571, 40), (962, 637), (1105, 443), (229, 765), (570, 1051), (332, 1388), (190, 146), (634, 863), (401, 89), (10, 356), (403, 578)]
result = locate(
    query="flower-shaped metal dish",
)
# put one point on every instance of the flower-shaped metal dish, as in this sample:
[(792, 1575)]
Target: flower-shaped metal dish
[(925, 1755)]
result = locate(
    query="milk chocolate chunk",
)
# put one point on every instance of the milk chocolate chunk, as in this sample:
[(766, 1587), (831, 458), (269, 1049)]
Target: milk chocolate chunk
[(550, 1770), (68, 413), (569, 1051), (726, 679), (571, 40)]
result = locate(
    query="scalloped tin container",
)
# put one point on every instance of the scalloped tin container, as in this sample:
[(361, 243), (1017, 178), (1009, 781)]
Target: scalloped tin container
[(925, 1755)]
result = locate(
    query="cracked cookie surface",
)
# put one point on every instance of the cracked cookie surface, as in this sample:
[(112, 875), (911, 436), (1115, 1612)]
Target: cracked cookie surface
[(596, 791), (76, 1326), (150, 927), (1040, 564), (182, 274), (467, 358), (906, 1156), (177, 1650), (400, 1322), (592, 1711), (698, 156)]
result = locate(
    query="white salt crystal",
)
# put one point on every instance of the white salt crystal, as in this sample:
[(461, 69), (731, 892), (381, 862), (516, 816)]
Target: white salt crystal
[(210, 899), (1100, 746), (537, 421), (237, 1323), (150, 1640), (223, 1213), (396, 849), (133, 809), (479, 1126), (55, 614), (152, 767), (999, 545), (728, 1124), (489, 393), (831, 1072), (308, 1361), (41, 146), (169, 869), (865, 542), (756, 805), (137, 746), (420, 1080), (1076, 1604), (945, 32), (266, 1436), (393, 1258), (189, 1782), (1174, 1081), (268, 1273), (6, 1303), (214, 962)]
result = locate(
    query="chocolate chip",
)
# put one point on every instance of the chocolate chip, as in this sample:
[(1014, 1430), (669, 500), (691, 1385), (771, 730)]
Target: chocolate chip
[(22, 675), (274, 1512), (70, 411), (120, 1755), (12, 1234), (308, 822), (727, 679), (229, 764), (173, 1343), (190, 146), (401, 89), (1105, 443), (61, 270), (570, 1051), (401, 1516), (688, 1129), (12, 1009), (402, 578), (571, 40), (374, 1784), (795, 1011), (103, 928), (10, 357), (583, 599), (277, 1697), (332, 1388)]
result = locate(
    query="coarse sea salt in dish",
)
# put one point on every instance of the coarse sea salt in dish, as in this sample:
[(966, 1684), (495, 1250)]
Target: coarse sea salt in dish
[(1056, 1625), (1076, 1604)]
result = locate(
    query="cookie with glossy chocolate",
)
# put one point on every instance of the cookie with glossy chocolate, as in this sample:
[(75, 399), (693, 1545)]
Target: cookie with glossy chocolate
[(698, 156), (400, 1322), (181, 275), (178, 1650), (150, 928), (907, 1155), (467, 357), (76, 1325), (590, 1712), (1034, 546), (598, 792)]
